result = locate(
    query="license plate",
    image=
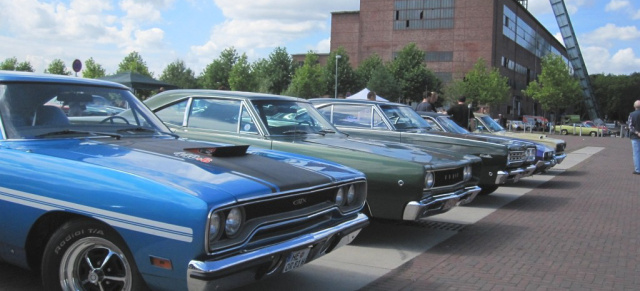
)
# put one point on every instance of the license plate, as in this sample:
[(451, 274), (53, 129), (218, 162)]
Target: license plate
[(295, 260)]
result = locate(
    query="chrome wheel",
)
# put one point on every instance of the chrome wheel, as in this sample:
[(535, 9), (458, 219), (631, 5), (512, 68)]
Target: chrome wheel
[(93, 263)]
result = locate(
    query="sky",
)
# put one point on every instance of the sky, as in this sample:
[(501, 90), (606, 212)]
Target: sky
[(196, 31)]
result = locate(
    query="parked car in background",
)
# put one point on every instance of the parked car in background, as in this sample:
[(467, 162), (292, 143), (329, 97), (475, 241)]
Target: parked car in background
[(502, 161), (580, 129), (120, 203), (515, 125), (405, 182), (484, 124), (545, 155)]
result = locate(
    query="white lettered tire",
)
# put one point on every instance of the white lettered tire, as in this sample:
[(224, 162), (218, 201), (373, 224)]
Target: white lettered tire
[(88, 255)]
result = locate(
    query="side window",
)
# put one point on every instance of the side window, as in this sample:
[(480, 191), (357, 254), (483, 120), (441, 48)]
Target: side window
[(378, 121), (326, 112), (215, 114), (433, 124), (246, 123), (173, 114), (352, 116)]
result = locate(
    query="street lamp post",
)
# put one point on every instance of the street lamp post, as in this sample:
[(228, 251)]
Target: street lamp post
[(336, 93)]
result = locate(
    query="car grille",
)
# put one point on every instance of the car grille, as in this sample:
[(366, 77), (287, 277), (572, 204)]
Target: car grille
[(549, 155), (450, 177), (283, 217), (517, 156)]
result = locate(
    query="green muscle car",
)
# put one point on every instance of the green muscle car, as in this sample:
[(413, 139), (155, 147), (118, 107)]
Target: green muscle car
[(502, 160), (404, 182)]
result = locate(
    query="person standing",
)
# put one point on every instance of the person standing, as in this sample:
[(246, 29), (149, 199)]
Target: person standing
[(634, 134), (461, 113), (428, 102)]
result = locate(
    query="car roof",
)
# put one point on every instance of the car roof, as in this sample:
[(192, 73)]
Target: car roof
[(225, 93), (13, 76), (354, 101), (431, 114)]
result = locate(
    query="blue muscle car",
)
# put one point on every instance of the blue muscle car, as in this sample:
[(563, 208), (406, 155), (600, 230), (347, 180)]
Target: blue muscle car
[(120, 203)]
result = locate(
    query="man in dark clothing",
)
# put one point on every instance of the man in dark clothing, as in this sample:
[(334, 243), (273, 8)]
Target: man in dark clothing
[(461, 113), (428, 102), (634, 134)]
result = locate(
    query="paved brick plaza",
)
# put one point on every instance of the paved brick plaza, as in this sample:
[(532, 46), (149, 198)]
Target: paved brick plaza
[(578, 231)]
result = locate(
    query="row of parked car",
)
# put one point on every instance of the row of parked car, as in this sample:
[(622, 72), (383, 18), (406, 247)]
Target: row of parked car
[(203, 189)]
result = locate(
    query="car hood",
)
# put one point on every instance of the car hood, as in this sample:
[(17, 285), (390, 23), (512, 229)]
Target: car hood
[(395, 150), (532, 136), (195, 167)]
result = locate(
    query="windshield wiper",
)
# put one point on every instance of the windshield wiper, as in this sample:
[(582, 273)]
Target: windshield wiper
[(77, 132), (327, 131), (295, 131)]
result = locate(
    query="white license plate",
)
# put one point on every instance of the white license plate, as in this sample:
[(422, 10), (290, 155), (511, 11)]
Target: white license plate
[(296, 259)]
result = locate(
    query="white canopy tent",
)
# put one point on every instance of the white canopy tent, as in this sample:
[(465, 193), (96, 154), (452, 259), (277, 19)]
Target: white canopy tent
[(363, 95)]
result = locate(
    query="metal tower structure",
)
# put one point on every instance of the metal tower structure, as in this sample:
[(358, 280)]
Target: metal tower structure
[(524, 3), (575, 56)]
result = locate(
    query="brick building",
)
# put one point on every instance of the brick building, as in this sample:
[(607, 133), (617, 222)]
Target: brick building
[(454, 34)]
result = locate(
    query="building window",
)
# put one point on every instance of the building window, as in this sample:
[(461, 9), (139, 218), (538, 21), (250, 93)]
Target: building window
[(446, 56), (424, 14)]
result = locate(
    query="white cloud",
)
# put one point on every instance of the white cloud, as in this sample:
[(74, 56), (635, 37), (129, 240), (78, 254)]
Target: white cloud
[(617, 5), (599, 60), (323, 46), (610, 33), (259, 24)]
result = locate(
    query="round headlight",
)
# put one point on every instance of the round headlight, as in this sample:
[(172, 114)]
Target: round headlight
[(340, 197), (351, 194), (233, 222), (429, 180), (215, 224)]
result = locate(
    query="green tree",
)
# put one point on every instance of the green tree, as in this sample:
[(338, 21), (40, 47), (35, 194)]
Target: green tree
[(414, 77), (92, 69), (384, 84), (308, 82), (177, 73), (11, 64), (216, 74), (484, 85), (555, 87), (57, 67), (134, 63), (366, 69), (279, 70), (615, 94), (241, 77), (347, 79), (260, 69), (25, 67)]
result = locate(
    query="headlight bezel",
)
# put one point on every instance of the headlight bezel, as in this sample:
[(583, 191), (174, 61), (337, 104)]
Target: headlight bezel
[(231, 229), (467, 173), (429, 180)]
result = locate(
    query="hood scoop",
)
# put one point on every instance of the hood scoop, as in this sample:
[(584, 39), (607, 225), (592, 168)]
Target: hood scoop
[(220, 152)]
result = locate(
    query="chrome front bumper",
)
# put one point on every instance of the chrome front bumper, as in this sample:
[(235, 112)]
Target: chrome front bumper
[(560, 157), (503, 177), (419, 209), (244, 268)]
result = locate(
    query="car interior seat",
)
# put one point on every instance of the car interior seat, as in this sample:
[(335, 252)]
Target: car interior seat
[(50, 115)]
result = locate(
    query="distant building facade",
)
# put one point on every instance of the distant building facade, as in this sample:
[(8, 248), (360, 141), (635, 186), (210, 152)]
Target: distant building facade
[(454, 34)]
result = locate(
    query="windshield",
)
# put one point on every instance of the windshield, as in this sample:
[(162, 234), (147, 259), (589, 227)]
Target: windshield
[(492, 125), (451, 126), (282, 117), (404, 118), (45, 110)]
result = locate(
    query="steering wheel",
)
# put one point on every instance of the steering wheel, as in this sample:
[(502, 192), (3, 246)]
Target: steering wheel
[(111, 118)]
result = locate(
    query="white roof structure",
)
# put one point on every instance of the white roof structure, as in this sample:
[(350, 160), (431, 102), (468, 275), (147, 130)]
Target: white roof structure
[(363, 95)]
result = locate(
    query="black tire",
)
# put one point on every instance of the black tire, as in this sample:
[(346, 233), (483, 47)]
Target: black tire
[(564, 132), (65, 262), (487, 189)]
